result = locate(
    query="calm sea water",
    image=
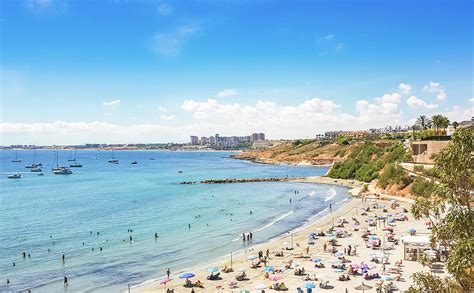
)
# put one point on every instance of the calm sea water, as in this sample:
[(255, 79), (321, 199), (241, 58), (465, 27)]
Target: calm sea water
[(58, 212)]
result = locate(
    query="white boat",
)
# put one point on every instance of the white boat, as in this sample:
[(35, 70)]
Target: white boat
[(35, 169), (75, 164), (57, 168), (34, 162), (63, 171), (16, 160), (14, 176), (113, 160)]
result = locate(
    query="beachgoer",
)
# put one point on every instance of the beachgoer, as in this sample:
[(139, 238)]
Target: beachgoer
[(65, 281), (64, 257), (14, 264), (325, 246), (250, 234), (156, 235), (8, 281), (189, 226), (131, 239), (24, 254), (100, 248), (349, 250), (243, 237), (250, 212), (267, 253), (29, 256), (290, 200), (248, 237), (330, 207), (168, 272), (92, 248)]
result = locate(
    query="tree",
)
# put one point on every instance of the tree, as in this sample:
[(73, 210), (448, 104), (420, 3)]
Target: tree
[(437, 120), (423, 122), (448, 208), (455, 125)]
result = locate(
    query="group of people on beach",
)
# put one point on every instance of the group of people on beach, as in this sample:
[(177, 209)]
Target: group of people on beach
[(247, 238)]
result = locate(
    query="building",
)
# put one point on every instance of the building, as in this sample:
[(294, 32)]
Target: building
[(204, 140), (194, 140), (265, 144), (423, 151)]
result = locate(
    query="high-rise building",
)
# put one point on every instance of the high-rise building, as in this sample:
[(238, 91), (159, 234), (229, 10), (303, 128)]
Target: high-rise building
[(194, 140)]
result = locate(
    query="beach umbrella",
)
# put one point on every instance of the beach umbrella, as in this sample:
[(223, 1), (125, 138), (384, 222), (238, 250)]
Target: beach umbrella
[(339, 253), (371, 266), (355, 266), (244, 291), (268, 269), (261, 286), (386, 278), (310, 286), (252, 257), (363, 287), (165, 281), (275, 277), (213, 270), (317, 259), (338, 270), (186, 276)]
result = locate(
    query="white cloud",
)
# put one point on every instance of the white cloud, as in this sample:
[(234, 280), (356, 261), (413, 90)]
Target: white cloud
[(200, 115), (459, 113), (227, 93), (436, 87), (162, 109), (404, 88), (171, 43), (415, 103), (167, 117), (471, 100), (112, 103), (39, 4), (393, 98), (433, 87), (441, 96)]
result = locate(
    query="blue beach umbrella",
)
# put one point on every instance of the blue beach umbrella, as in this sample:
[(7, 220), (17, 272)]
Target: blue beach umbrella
[(317, 259), (268, 269), (386, 278), (339, 253), (313, 234), (186, 276), (213, 270), (310, 286)]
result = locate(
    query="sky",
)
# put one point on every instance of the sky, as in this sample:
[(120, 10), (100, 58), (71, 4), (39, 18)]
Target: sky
[(119, 71)]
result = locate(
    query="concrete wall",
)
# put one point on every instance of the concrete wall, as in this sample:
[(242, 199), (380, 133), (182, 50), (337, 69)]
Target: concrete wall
[(424, 150)]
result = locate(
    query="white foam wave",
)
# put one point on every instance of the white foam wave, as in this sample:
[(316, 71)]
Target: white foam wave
[(341, 201), (330, 194), (274, 221), (317, 214), (312, 193)]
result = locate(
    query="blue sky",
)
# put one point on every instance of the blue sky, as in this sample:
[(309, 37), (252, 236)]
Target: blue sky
[(149, 71)]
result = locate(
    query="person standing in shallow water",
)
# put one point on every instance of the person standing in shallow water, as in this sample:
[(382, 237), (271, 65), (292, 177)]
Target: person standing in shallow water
[(168, 272), (65, 281)]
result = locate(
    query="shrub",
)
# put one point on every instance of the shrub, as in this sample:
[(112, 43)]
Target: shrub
[(422, 187), (393, 174)]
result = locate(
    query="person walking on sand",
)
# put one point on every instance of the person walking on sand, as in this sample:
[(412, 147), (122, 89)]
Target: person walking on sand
[(168, 273), (325, 246)]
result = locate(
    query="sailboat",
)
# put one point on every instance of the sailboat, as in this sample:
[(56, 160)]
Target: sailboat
[(14, 176), (113, 160), (70, 159), (34, 165), (75, 164), (16, 160), (57, 163)]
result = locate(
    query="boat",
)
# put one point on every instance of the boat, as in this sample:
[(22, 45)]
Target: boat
[(41, 174), (16, 160), (151, 159), (35, 169), (75, 164), (62, 171), (14, 176), (180, 171), (70, 159), (134, 163), (113, 160), (34, 165), (57, 168)]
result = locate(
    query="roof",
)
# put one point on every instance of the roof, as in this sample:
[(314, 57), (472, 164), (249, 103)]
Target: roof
[(417, 240)]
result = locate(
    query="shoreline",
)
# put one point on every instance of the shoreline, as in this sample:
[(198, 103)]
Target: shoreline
[(347, 209), (346, 206)]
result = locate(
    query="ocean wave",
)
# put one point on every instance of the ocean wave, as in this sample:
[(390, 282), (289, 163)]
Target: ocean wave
[(312, 193), (341, 201), (274, 221), (330, 194)]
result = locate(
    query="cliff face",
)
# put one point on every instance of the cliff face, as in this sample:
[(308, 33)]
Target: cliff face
[(305, 153)]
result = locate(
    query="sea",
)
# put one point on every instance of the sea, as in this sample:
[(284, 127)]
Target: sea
[(90, 215)]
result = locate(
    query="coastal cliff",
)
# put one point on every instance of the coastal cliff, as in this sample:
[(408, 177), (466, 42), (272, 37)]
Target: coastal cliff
[(305, 152)]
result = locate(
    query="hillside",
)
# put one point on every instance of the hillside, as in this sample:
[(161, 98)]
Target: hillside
[(302, 152)]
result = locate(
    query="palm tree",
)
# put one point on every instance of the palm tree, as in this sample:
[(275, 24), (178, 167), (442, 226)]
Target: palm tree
[(444, 123), (424, 122), (437, 121), (455, 125)]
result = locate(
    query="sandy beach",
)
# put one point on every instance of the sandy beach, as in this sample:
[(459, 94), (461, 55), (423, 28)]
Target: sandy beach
[(304, 254)]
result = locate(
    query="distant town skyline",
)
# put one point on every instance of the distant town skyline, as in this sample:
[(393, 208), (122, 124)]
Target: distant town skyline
[(160, 71)]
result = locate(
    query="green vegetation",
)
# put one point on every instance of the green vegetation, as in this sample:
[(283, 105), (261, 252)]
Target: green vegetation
[(394, 174), (419, 168), (422, 187), (302, 142), (448, 208), (343, 140), (367, 160)]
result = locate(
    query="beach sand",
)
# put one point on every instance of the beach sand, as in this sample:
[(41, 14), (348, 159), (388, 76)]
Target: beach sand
[(350, 209)]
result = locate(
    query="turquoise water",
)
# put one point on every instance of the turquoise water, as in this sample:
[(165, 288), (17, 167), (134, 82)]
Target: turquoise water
[(58, 212)]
